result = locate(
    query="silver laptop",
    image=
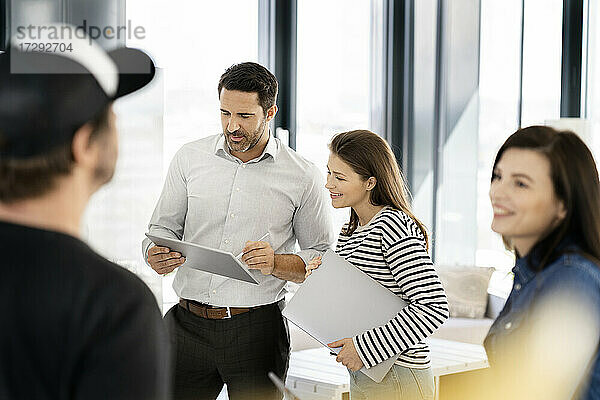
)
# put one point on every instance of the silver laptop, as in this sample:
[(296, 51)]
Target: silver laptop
[(339, 301), (206, 259)]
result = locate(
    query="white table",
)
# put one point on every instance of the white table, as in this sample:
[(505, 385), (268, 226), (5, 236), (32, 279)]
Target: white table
[(449, 357), (315, 375)]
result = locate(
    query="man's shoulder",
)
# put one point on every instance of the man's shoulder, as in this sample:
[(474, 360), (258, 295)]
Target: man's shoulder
[(98, 273), (112, 277), (64, 263), (205, 145), (292, 159), (110, 290)]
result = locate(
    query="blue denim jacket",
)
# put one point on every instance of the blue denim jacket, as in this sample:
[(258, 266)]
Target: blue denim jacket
[(570, 271)]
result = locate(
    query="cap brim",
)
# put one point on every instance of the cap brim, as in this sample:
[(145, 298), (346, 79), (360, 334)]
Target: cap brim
[(136, 70)]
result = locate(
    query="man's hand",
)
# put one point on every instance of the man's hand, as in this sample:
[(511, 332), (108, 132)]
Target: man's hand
[(348, 355), (259, 255), (163, 260)]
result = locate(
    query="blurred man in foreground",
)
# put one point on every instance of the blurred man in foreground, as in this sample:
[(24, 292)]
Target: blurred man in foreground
[(75, 326)]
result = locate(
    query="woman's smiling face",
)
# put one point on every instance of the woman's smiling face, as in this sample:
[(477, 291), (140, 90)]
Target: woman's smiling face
[(346, 187), (525, 205)]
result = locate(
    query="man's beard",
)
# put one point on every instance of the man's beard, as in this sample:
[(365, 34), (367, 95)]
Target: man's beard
[(248, 142)]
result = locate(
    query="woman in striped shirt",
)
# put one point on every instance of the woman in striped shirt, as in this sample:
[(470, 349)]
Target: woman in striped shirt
[(387, 242)]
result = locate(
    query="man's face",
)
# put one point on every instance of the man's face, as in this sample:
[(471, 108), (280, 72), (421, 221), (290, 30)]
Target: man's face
[(243, 120), (109, 150)]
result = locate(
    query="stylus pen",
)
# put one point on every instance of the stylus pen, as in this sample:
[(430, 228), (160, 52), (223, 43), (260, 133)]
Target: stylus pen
[(261, 238)]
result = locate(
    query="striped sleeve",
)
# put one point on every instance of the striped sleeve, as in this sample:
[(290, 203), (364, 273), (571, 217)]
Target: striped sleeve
[(427, 308)]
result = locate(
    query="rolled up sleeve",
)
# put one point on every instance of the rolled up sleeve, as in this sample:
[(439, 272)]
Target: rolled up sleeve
[(312, 220), (168, 218)]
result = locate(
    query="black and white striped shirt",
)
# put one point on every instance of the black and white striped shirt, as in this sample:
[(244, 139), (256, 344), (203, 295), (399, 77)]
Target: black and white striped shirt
[(391, 249)]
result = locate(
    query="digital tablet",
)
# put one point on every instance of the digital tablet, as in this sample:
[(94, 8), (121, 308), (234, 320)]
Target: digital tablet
[(206, 259)]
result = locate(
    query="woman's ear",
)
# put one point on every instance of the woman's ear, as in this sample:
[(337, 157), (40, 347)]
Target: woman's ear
[(371, 182), (562, 211)]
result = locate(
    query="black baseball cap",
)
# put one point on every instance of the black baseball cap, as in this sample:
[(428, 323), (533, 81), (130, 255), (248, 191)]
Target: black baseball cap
[(45, 97)]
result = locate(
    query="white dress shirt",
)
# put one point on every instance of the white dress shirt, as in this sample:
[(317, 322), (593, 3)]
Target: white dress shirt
[(214, 199)]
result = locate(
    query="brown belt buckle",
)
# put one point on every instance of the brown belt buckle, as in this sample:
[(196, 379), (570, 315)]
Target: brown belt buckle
[(228, 315)]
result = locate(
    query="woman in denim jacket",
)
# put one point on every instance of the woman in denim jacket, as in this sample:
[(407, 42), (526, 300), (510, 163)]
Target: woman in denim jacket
[(546, 200)]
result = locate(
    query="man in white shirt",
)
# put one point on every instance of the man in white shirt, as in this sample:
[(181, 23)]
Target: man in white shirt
[(225, 191)]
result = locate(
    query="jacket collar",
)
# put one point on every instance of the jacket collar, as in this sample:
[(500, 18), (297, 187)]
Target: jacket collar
[(524, 268)]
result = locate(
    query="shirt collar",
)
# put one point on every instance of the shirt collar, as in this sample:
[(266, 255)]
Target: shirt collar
[(523, 269), (271, 149), (362, 227)]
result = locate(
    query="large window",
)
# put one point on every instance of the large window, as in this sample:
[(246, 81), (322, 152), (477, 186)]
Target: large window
[(421, 170), (117, 215), (592, 85), (333, 76), (542, 49), (193, 42), (457, 117), (499, 92)]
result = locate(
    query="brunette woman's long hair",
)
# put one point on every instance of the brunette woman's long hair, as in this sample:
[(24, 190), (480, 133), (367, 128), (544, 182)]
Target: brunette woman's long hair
[(575, 180), (369, 155)]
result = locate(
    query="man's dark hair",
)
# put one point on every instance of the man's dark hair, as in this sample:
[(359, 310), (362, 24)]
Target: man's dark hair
[(252, 78), (32, 177)]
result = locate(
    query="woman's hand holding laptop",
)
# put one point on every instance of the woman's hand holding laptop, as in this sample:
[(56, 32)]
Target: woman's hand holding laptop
[(348, 356), (312, 265)]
